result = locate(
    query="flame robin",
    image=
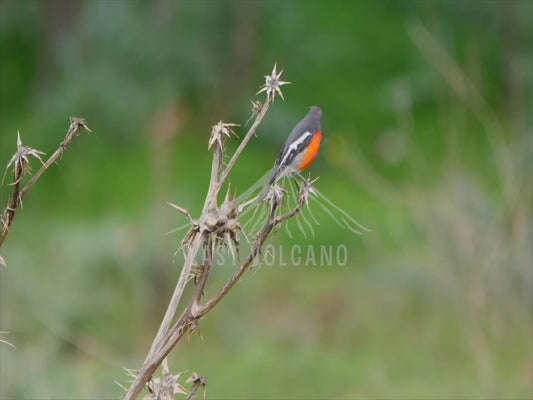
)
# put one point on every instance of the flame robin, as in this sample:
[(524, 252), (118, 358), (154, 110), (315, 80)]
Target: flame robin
[(300, 149)]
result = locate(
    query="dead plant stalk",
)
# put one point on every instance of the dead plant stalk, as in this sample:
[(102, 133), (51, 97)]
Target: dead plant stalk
[(20, 162), (216, 225)]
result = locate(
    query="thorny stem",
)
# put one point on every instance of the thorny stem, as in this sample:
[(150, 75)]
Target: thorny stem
[(153, 361), (210, 204), (17, 195), (245, 141), (176, 296), (75, 126), (14, 201), (161, 351)]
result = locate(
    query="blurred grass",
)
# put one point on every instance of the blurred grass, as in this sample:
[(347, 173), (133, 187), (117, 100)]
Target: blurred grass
[(435, 303)]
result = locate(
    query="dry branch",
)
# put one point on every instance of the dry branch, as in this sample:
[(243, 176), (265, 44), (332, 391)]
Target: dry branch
[(20, 161), (76, 124), (216, 226)]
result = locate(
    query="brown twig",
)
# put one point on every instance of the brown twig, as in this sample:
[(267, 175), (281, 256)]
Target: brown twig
[(20, 161), (76, 124), (14, 201)]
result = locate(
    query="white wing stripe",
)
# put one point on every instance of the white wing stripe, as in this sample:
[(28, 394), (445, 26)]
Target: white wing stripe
[(294, 145)]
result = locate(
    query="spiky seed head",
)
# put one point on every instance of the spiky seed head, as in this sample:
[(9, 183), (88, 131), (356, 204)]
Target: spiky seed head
[(273, 84), (219, 132)]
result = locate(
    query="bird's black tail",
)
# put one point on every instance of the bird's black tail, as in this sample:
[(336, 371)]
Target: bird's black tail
[(272, 180)]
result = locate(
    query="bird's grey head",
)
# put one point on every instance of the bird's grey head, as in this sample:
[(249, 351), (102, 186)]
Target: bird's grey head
[(316, 112)]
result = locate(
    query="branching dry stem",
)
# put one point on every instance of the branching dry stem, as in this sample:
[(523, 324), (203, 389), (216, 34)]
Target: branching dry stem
[(20, 160), (215, 226)]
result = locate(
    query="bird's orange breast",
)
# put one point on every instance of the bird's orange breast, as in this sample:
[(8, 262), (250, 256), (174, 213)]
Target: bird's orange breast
[(312, 151)]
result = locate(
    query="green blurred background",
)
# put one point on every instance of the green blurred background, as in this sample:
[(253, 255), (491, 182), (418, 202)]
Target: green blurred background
[(428, 141)]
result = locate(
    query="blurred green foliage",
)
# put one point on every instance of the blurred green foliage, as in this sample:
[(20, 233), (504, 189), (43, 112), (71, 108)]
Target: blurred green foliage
[(428, 141)]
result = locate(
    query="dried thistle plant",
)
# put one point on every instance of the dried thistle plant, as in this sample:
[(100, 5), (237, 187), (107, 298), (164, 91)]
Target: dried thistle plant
[(217, 227), (21, 165), (20, 162), (166, 388)]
